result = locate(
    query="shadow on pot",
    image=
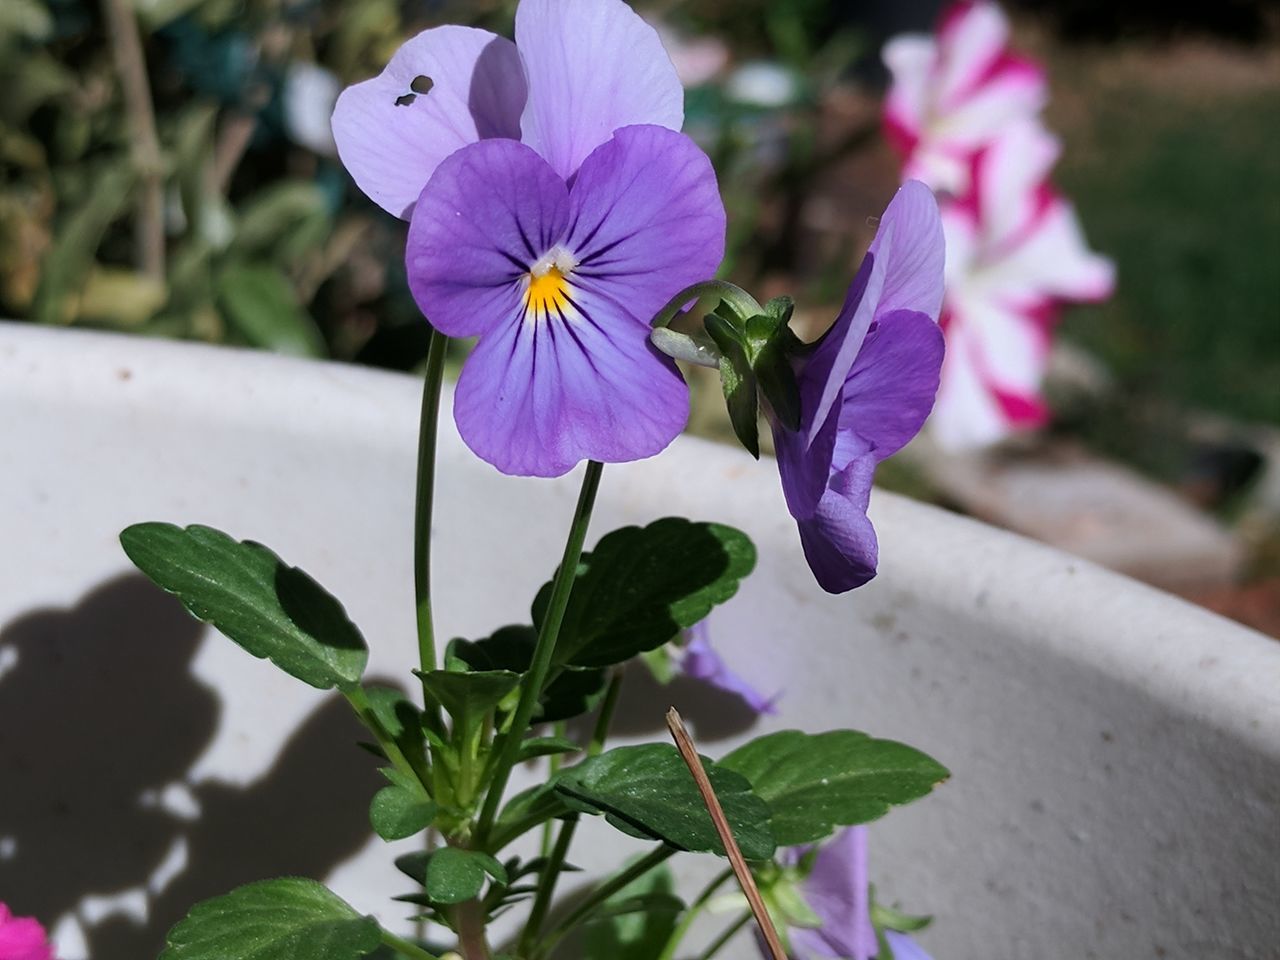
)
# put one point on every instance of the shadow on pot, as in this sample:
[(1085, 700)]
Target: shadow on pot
[(101, 719)]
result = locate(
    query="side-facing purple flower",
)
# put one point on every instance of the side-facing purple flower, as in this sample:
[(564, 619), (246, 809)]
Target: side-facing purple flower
[(702, 662), (865, 390), (554, 251), (838, 892)]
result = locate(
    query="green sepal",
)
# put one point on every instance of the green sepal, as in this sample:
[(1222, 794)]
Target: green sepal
[(268, 608), (771, 345), (647, 791), (814, 783), (896, 920), (284, 919), (402, 809), (737, 381)]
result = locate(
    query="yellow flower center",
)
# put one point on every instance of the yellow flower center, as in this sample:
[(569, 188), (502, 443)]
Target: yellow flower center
[(547, 292)]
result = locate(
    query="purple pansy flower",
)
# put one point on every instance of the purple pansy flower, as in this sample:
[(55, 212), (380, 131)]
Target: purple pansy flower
[(701, 662), (554, 209), (865, 390), (838, 891)]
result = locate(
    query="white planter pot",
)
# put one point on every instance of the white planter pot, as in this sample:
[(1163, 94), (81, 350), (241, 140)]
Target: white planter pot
[(1115, 752)]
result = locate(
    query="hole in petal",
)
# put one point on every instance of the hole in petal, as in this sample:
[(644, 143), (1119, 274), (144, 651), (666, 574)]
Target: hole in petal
[(405, 99), (422, 84)]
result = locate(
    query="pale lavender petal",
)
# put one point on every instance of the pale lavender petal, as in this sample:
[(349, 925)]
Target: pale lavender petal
[(391, 138), (823, 375), (702, 662), (647, 219), (839, 894), (892, 386), (489, 213), (540, 393), (804, 466), (910, 243), (904, 947), (839, 541), (593, 66)]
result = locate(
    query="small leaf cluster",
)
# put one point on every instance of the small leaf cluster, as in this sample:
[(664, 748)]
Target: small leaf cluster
[(636, 590)]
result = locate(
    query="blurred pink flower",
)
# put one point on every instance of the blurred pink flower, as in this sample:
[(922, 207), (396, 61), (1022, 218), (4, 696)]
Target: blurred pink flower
[(22, 938), (953, 93), (1015, 252)]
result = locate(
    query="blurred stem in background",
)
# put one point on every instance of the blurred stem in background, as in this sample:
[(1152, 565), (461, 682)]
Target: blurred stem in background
[(126, 50)]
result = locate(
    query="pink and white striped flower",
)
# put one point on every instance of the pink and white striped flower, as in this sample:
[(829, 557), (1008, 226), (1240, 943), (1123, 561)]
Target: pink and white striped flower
[(954, 93), (1015, 253)]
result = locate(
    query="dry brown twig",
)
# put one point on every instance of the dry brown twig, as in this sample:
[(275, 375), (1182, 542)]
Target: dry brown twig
[(684, 743)]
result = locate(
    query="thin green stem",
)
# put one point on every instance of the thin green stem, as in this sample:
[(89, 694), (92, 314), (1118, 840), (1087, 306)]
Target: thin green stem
[(544, 650), (405, 948), (605, 717), (555, 862), (428, 424), (729, 933), (548, 828), (547, 885), (602, 893), (693, 912)]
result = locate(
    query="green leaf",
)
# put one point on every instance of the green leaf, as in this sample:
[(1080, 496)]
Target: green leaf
[(814, 783), (641, 586), (647, 791), (545, 747), (573, 692), (286, 919), (270, 609), (637, 921), (738, 381), (262, 305), (402, 809), (451, 874), (397, 713), (467, 697)]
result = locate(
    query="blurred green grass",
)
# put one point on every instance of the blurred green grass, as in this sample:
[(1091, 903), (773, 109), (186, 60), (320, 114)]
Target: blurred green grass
[(1182, 188)]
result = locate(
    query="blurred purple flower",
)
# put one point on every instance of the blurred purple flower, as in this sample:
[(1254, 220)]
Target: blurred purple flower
[(838, 891), (865, 390), (22, 938), (557, 250), (702, 662)]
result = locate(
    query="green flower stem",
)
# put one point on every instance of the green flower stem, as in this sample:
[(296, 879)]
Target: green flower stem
[(742, 302), (428, 426), (729, 933), (693, 912), (546, 886), (654, 858), (553, 763), (543, 652), (469, 920), (555, 862), (359, 701), (405, 948)]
